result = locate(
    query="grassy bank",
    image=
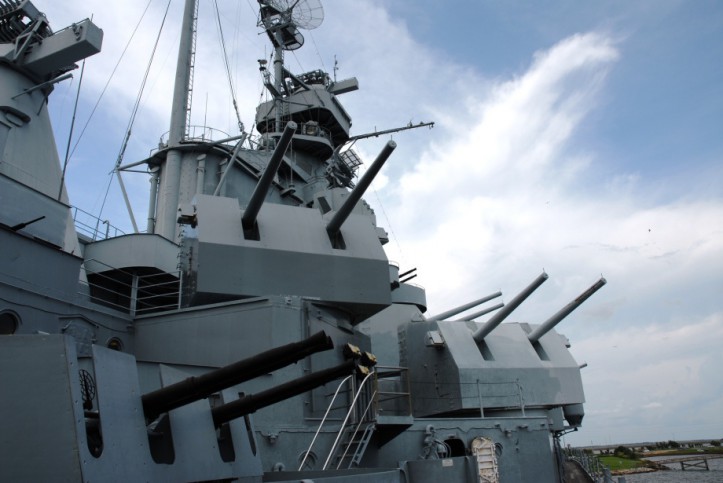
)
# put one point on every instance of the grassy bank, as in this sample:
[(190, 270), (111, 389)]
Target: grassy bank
[(684, 452), (621, 464), (616, 463)]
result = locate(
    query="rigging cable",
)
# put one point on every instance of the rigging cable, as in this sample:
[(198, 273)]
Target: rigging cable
[(318, 54), (70, 134), (391, 229), (228, 69), (92, 112), (130, 126)]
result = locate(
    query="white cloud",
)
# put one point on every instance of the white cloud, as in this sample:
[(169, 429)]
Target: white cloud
[(499, 185), (654, 381)]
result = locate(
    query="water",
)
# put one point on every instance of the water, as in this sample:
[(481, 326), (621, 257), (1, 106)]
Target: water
[(675, 475)]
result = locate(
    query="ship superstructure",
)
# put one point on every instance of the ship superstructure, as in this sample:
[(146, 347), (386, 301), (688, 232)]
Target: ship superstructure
[(256, 330)]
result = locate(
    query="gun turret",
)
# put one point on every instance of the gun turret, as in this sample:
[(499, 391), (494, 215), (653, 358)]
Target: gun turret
[(464, 307), (343, 213), (253, 402), (507, 310), (257, 197), (545, 327), (199, 387), (483, 312)]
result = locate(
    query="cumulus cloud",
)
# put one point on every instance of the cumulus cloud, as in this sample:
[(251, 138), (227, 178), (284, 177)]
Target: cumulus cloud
[(497, 192)]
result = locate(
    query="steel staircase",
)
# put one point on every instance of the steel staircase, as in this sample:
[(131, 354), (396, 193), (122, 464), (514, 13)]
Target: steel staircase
[(379, 405)]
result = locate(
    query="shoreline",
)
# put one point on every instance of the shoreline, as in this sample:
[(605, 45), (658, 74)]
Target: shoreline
[(632, 471)]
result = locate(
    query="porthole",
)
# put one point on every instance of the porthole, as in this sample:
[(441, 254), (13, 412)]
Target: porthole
[(115, 343), (498, 449), (9, 322)]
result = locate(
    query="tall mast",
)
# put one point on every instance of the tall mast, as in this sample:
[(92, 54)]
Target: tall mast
[(170, 177), (279, 80)]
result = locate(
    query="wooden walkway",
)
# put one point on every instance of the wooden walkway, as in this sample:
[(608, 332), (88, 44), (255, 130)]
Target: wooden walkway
[(699, 462)]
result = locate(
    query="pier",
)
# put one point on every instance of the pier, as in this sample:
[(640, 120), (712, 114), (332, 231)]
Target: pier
[(699, 462)]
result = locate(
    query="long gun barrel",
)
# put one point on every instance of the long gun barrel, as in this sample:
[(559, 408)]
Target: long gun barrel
[(497, 319), (464, 307), (253, 402), (543, 328), (341, 215), (262, 188), (199, 387), (483, 312)]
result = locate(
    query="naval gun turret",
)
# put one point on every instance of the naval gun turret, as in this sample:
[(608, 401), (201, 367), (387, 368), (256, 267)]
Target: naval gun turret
[(493, 369), (265, 242)]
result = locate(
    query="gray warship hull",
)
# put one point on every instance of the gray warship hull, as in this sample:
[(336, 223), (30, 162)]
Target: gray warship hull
[(256, 330)]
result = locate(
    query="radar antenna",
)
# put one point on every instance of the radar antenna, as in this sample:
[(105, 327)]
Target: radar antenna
[(282, 18)]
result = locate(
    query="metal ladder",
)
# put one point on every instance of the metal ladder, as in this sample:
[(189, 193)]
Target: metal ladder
[(323, 420), (361, 444)]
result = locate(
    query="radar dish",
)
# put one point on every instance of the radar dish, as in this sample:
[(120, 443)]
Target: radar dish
[(305, 14)]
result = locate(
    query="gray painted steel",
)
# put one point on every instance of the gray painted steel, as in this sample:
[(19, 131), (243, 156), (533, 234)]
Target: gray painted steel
[(90, 322)]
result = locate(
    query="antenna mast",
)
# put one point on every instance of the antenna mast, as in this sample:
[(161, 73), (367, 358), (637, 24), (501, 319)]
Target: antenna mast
[(282, 20), (170, 176)]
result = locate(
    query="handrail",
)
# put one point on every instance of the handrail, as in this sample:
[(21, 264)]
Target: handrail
[(399, 377), (343, 424), (94, 232), (356, 430), (323, 420), (589, 463), (141, 297)]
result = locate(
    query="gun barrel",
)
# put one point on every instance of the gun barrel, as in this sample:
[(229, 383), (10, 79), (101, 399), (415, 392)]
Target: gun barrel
[(253, 402), (262, 187), (464, 307), (545, 327), (497, 319), (199, 387), (343, 213), (483, 312)]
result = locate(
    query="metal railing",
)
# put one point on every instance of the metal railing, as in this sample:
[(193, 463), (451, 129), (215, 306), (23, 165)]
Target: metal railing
[(198, 133), (597, 471), (392, 392), (93, 227), (352, 438), (352, 410), (323, 420), (131, 292), (501, 395)]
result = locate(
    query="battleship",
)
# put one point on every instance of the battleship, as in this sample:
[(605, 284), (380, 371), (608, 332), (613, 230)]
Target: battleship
[(255, 330)]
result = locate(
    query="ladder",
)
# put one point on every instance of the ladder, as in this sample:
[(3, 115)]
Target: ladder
[(354, 447), (483, 450), (346, 427)]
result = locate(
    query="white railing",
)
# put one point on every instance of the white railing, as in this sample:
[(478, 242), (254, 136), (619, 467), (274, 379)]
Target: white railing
[(352, 408), (93, 227), (131, 292)]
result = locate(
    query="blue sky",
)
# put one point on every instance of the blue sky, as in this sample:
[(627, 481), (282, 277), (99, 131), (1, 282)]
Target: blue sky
[(582, 138)]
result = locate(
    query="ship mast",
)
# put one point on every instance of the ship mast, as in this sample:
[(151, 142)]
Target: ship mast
[(279, 80), (170, 176)]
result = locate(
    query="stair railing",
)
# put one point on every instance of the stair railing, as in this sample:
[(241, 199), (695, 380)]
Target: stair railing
[(346, 418), (356, 430), (323, 420)]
